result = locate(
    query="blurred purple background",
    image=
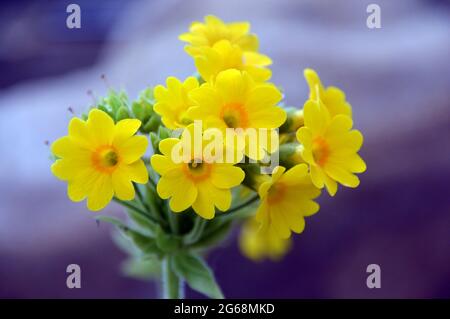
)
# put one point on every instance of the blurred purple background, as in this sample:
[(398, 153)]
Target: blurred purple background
[(397, 78)]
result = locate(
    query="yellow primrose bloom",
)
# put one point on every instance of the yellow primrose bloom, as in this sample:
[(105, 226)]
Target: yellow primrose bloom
[(286, 198), (200, 180), (234, 100), (332, 97), (258, 245), (224, 55), (330, 148), (172, 102), (100, 159), (213, 30)]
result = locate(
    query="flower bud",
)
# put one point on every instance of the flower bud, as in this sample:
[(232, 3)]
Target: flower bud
[(293, 121), (290, 155)]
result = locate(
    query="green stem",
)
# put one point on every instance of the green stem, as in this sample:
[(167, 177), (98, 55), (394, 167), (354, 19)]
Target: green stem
[(151, 181), (173, 221), (140, 197), (196, 232), (244, 204), (172, 285), (154, 207), (135, 208)]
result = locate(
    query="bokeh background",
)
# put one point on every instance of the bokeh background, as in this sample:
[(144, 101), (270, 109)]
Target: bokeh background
[(397, 78)]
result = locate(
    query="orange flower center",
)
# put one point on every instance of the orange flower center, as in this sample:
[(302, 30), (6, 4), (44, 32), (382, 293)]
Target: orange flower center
[(320, 151), (276, 193), (234, 115), (197, 170), (105, 159)]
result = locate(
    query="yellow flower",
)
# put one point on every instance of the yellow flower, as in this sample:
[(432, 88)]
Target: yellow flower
[(330, 148), (214, 30), (200, 181), (235, 100), (224, 55), (258, 245), (173, 102), (332, 97), (286, 198), (100, 159)]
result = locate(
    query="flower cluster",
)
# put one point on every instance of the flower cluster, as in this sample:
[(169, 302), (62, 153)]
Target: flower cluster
[(213, 136)]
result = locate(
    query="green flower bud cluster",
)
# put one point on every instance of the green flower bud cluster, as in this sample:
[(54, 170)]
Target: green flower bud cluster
[(118, 106), (156, 137), (143, 110)]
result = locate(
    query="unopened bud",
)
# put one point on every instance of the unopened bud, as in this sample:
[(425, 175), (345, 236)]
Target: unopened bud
[(293, 121), (290, 155)]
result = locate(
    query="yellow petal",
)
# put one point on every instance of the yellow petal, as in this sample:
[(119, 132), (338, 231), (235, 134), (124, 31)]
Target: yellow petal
[(294, 219), (355, 164), (67, 169), (226, 176), (132, 149), (101, 194), (123, 187), (103, 126), (317, 177), (270, 117), (334, 99), (342, 176), (330, 184), (340, 124), (277, 173), (76, 191), (166, 145), (254, 58), (220, 197), (183, 196), (263, 96), (315, 116), (204, 204), (162, 164), (296, 175), (233, 86), (264, 188), (66, 147), (137, 172), (278, 223), (125, 129), (79, 132), (314, 83), (304, 136), (262, 213)]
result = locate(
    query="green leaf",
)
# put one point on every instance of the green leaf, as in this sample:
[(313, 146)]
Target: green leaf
[(197, 274)]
